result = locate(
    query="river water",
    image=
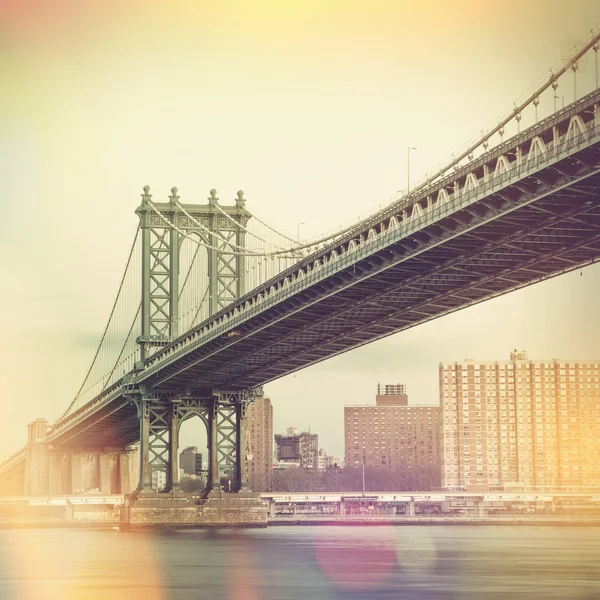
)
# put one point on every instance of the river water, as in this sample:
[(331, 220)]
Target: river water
[(308, 563)]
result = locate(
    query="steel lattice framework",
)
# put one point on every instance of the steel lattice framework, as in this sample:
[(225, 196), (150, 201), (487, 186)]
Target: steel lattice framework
[(163, 229)]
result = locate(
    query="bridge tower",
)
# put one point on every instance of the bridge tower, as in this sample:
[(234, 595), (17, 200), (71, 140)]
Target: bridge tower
[(221, 233), (220, 229)]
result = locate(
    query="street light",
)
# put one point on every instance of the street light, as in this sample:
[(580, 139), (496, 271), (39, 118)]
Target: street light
[(408, 169), (363, 476), (298, 230)]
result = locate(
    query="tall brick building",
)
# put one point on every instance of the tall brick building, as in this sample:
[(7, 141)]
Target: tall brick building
[(393, 435), (259, 445), (521, 424)]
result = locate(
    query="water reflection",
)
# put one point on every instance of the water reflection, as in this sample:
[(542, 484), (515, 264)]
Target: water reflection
[(375, 563)]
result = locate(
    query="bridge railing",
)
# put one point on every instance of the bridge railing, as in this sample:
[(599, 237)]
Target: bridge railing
[(13, 459), (499, 150), (479, 145)]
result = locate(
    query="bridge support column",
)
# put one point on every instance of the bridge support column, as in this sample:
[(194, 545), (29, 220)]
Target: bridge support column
[(104, 468), (173, 465), (55, 475), (241, 471), (60, 474), (145, 483), (212, 483), (228, 455), (110, 476), (411, 507), (37, 473), (67, 474), (124, 474), (90, 471), (76, 472)]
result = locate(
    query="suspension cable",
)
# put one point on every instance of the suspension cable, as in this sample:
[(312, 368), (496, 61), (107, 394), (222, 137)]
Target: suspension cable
[(283, 235), (192, 262), (200, 305), (137, 312), (230, 218), (210, 247), (114, 306), (207, 230)]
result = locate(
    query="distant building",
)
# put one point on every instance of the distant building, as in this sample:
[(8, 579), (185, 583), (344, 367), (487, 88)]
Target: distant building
[(190, 461), (521, 423), (297, 447), (283, 466), (288, 448), (159, 480), (259, 445), (391, 395), (393, 435), (325, 462)]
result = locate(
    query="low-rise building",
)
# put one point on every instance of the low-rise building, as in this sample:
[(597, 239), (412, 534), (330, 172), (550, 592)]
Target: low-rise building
[(326, 462)]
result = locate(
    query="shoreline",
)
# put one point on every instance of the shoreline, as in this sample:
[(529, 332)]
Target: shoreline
[(312, 521), (541, 521)]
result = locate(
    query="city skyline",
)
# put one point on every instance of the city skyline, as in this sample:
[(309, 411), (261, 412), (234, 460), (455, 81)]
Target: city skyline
[(61, 163)]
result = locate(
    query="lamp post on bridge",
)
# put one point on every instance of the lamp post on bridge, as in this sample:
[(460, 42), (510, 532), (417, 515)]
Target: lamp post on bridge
[(559, 98), (408, 169)]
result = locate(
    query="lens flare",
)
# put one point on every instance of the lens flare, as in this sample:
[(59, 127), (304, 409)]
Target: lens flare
[(80, 568), (244, 583), (356, 559)]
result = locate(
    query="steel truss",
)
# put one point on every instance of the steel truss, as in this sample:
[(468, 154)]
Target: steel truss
[(161, 242), (160, 417)]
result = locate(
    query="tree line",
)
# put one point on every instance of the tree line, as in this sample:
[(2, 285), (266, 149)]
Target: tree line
[(334, 479), (351, 480)]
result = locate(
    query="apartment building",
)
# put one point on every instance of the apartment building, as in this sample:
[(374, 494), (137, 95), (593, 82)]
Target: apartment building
[(259, 445), (393, 434), (521, 424)]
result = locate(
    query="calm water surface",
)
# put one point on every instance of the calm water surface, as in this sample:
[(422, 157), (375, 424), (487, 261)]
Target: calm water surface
[(288, 563)]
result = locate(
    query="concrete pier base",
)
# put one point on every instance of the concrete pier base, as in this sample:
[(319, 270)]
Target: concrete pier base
[(181, 510)]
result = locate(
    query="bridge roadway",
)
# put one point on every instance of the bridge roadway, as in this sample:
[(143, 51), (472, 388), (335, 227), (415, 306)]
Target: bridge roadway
[(525, 211)]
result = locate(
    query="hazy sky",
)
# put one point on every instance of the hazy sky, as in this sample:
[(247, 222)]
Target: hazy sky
[(306, 105)]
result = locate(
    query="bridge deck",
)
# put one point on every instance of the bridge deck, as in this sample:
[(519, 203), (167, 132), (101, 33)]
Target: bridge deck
[(539, 218)]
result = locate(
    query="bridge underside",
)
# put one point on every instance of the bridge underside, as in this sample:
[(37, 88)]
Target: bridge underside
[(547, 224), (115, 425), (544, 226)]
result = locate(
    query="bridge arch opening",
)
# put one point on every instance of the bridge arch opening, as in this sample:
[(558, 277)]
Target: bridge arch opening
[(193, 455)]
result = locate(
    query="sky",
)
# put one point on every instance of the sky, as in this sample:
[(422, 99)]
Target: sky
[(309, 107)]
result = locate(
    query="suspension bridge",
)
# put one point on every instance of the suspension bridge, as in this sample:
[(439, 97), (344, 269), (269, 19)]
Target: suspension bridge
[(214, 302)]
